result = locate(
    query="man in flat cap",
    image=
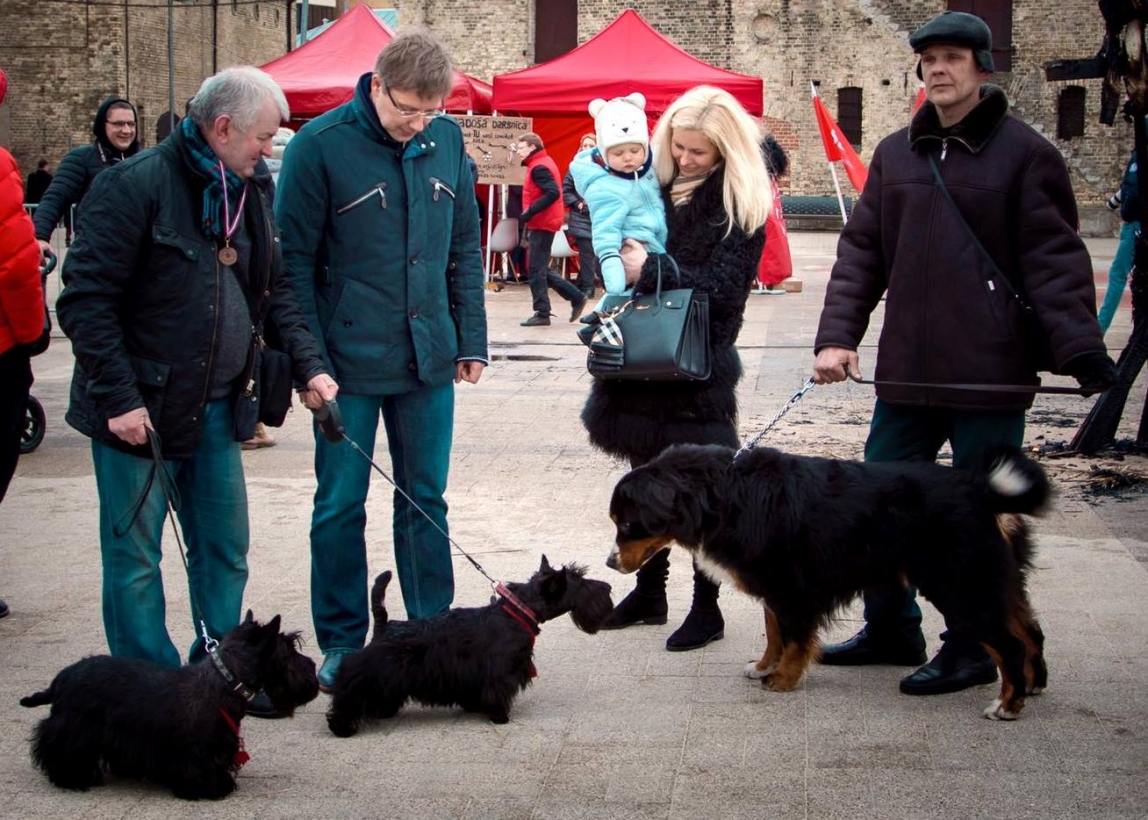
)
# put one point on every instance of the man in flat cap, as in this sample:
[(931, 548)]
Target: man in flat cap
[(949, 319)]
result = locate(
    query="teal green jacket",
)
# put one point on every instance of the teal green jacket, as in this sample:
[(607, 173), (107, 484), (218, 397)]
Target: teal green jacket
[(381, 244)]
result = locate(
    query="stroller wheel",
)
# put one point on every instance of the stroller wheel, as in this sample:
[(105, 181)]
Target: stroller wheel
[(34, 426)]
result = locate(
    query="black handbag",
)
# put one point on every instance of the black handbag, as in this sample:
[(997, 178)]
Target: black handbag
[(659, 336), (1038, 351), (275, 387)]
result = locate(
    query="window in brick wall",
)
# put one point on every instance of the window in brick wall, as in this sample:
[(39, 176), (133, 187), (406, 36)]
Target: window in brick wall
[(849, 114), (555, 28), (998, 15), (1070, 112)]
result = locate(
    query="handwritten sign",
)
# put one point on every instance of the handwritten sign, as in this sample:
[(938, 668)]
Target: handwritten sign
[(490, 141)]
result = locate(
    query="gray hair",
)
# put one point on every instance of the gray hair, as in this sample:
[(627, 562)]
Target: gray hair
[(415, 61), (239, 92)]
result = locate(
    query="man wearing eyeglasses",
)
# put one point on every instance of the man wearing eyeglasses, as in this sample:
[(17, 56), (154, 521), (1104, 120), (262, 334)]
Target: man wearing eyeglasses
[(380, 239), (115, 140)]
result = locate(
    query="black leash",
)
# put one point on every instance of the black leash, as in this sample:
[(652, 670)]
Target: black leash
[(981, 388), (173, 503), (330, 421)]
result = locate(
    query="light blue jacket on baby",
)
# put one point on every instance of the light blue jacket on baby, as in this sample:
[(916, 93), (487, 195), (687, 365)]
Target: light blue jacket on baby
[(622, 206)]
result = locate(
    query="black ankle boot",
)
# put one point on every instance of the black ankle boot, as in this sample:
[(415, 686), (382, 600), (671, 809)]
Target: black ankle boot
[(704, 624), (646, 603)]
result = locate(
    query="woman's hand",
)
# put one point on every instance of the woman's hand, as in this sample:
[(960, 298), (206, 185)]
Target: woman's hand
[(634, 257)]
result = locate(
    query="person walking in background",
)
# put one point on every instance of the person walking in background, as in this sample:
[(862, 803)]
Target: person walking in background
[(578, 226), (38, 182), (776, 263), (21, 313), (542, 217), (1127, 201), (707, 155), (380, 236), (174, 258), (1010, 187), (115, 140)]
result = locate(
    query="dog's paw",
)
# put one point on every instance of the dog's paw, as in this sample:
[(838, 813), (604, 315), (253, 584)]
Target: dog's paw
[(996, 711), (1034, 690), (779, 683), (753, 673)]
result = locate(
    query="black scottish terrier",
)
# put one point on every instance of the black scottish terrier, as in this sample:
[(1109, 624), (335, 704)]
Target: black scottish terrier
[(478, 658), (176, 727)]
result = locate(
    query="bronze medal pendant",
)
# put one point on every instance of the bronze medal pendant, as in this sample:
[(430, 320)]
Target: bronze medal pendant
[(228, 255)]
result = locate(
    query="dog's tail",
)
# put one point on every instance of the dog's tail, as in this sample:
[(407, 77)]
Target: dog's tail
[(378, 603), (1017, 485), (41, 698)]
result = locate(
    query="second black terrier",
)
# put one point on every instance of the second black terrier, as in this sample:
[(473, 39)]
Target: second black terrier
[(176, 727), (478, 658)]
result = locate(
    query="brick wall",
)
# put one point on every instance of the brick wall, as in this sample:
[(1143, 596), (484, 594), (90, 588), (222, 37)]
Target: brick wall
[(63, 59)]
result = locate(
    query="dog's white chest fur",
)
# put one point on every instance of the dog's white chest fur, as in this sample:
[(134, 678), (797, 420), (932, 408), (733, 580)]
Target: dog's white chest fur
[(713, 569)]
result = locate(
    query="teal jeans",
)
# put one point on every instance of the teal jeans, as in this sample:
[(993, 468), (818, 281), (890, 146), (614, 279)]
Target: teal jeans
[(906, 433), (213, 519), (1118, 273), (419, 425)]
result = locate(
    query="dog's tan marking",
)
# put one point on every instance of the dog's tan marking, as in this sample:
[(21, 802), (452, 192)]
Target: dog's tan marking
[(772, 656), (632, 554), (1010, 702), (795, 658)]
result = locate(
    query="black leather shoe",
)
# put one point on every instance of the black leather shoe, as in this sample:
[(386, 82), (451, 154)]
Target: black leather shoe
[(638, 608), (950, 670), (260, 707), (537, 320), (577, 306), (701, 627), (3, 609), (863, 649)]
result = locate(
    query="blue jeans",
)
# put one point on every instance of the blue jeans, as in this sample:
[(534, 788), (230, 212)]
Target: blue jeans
[(904, 433), (213, 518), (1118, 273), (419, 425)]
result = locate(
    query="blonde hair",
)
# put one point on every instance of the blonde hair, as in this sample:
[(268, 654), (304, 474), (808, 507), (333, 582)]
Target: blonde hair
[(746, 192)]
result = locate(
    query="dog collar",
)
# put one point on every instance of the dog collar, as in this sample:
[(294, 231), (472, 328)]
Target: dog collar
[(510, 598), (237, 686)]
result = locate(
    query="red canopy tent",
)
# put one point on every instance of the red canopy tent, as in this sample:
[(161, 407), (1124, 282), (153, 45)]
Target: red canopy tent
[(322, 72), (628, 55)]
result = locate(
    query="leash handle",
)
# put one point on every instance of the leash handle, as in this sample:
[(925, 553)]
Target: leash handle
[(330, 421)]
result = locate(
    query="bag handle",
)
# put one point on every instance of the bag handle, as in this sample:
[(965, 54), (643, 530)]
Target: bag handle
[(997, 272), (677, 275)]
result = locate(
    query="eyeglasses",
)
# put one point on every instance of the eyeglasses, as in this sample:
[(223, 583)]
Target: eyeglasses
[(122, 124), (410, 113)]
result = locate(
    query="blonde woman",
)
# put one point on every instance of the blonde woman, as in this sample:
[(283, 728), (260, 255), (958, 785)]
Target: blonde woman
[(708, 160)]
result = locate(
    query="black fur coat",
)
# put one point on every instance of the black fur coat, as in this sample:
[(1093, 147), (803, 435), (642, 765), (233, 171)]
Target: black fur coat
[(637, 419)]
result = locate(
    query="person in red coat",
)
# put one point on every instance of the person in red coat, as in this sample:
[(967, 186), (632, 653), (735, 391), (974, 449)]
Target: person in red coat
[(21, 312), (543, 215)]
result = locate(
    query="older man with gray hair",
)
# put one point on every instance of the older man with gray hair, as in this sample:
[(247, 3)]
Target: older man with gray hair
[(177, 264)]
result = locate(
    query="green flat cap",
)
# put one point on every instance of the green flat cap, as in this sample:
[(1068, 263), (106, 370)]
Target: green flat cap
[(960, 29)]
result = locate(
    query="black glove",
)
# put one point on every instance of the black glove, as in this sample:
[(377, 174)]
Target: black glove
[(1094, 371)]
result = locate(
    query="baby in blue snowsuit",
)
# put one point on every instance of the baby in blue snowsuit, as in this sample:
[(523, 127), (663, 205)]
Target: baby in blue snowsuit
[(618, 183)]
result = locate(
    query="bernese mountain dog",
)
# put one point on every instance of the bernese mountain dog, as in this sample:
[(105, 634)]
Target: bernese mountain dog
[(806, 535)]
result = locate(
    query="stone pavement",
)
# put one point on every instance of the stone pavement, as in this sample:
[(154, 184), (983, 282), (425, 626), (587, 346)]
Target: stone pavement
[(615, 726)]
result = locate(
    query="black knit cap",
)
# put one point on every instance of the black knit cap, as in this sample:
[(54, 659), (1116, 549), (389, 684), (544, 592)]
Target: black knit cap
[(960, 29)]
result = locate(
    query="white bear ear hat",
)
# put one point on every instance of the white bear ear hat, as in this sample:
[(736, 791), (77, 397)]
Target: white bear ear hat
[(619, 121)]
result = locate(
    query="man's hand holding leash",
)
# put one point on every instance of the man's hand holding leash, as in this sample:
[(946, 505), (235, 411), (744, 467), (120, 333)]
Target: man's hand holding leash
[(835, 364), (320, 389)]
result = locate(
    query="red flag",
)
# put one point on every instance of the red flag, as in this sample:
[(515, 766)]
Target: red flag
[(919, 101), (837, 148)]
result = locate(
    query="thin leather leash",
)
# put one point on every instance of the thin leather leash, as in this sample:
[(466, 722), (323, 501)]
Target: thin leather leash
[(980, 388), (330, 421)]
